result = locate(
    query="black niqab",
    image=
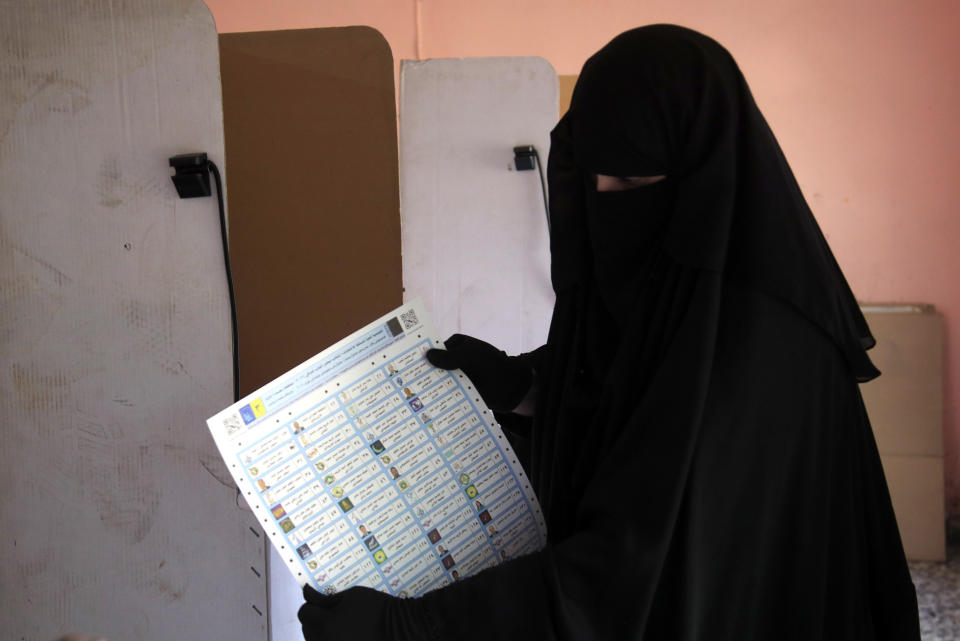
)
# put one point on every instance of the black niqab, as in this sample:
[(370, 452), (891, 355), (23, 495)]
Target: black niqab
[(700, 448), (667, 100)]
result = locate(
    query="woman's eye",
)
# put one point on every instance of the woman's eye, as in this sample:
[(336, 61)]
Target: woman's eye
[(622, 183)]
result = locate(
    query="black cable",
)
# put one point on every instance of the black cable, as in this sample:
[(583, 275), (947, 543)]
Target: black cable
[(233, 300), (543, 186), (226, 263)]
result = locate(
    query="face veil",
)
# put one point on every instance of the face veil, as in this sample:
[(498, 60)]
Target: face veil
[(624, 228)]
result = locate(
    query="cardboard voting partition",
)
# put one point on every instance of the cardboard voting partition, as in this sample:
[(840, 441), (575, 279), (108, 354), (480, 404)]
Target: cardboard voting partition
[(311, 142), (475, 241), (118, 516), (311, 138)]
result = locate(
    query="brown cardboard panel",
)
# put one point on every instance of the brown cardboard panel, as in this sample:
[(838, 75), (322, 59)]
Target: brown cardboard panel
[(311, 148), (916, 490), (566, 91), (905, 403)]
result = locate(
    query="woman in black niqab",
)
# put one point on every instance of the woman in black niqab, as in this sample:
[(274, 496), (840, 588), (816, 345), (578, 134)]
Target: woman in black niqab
[(699, 447)]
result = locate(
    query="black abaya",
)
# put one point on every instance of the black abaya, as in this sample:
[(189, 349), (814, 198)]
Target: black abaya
[(759, 513), (700, 447)]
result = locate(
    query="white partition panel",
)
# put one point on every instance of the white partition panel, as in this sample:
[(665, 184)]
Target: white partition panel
[(474, 231), (116, 514)]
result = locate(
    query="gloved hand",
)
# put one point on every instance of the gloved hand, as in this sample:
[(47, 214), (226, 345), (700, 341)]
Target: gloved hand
[(502, 381), (361, 614)]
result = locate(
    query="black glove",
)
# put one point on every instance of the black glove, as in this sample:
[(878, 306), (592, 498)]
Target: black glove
[(502, 381), (362, 614)]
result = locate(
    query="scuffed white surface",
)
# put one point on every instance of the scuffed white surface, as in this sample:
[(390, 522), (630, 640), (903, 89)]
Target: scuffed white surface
[(117, 516), (474, 232), (285, 599)]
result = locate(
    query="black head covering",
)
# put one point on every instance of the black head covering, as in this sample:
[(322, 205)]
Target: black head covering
[(664, 99)]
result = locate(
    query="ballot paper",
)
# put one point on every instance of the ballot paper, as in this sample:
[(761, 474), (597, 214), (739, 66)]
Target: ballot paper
[(366, 465)]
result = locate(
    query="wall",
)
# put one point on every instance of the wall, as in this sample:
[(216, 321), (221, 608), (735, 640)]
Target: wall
[(862, 96)]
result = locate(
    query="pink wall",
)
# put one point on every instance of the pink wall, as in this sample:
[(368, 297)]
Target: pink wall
[(863, 96)]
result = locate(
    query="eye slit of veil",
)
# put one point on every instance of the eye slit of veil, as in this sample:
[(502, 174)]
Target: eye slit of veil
[(604, 182)]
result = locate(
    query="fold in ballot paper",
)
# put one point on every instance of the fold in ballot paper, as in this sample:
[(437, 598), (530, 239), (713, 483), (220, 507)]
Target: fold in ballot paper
[(366, 465)]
